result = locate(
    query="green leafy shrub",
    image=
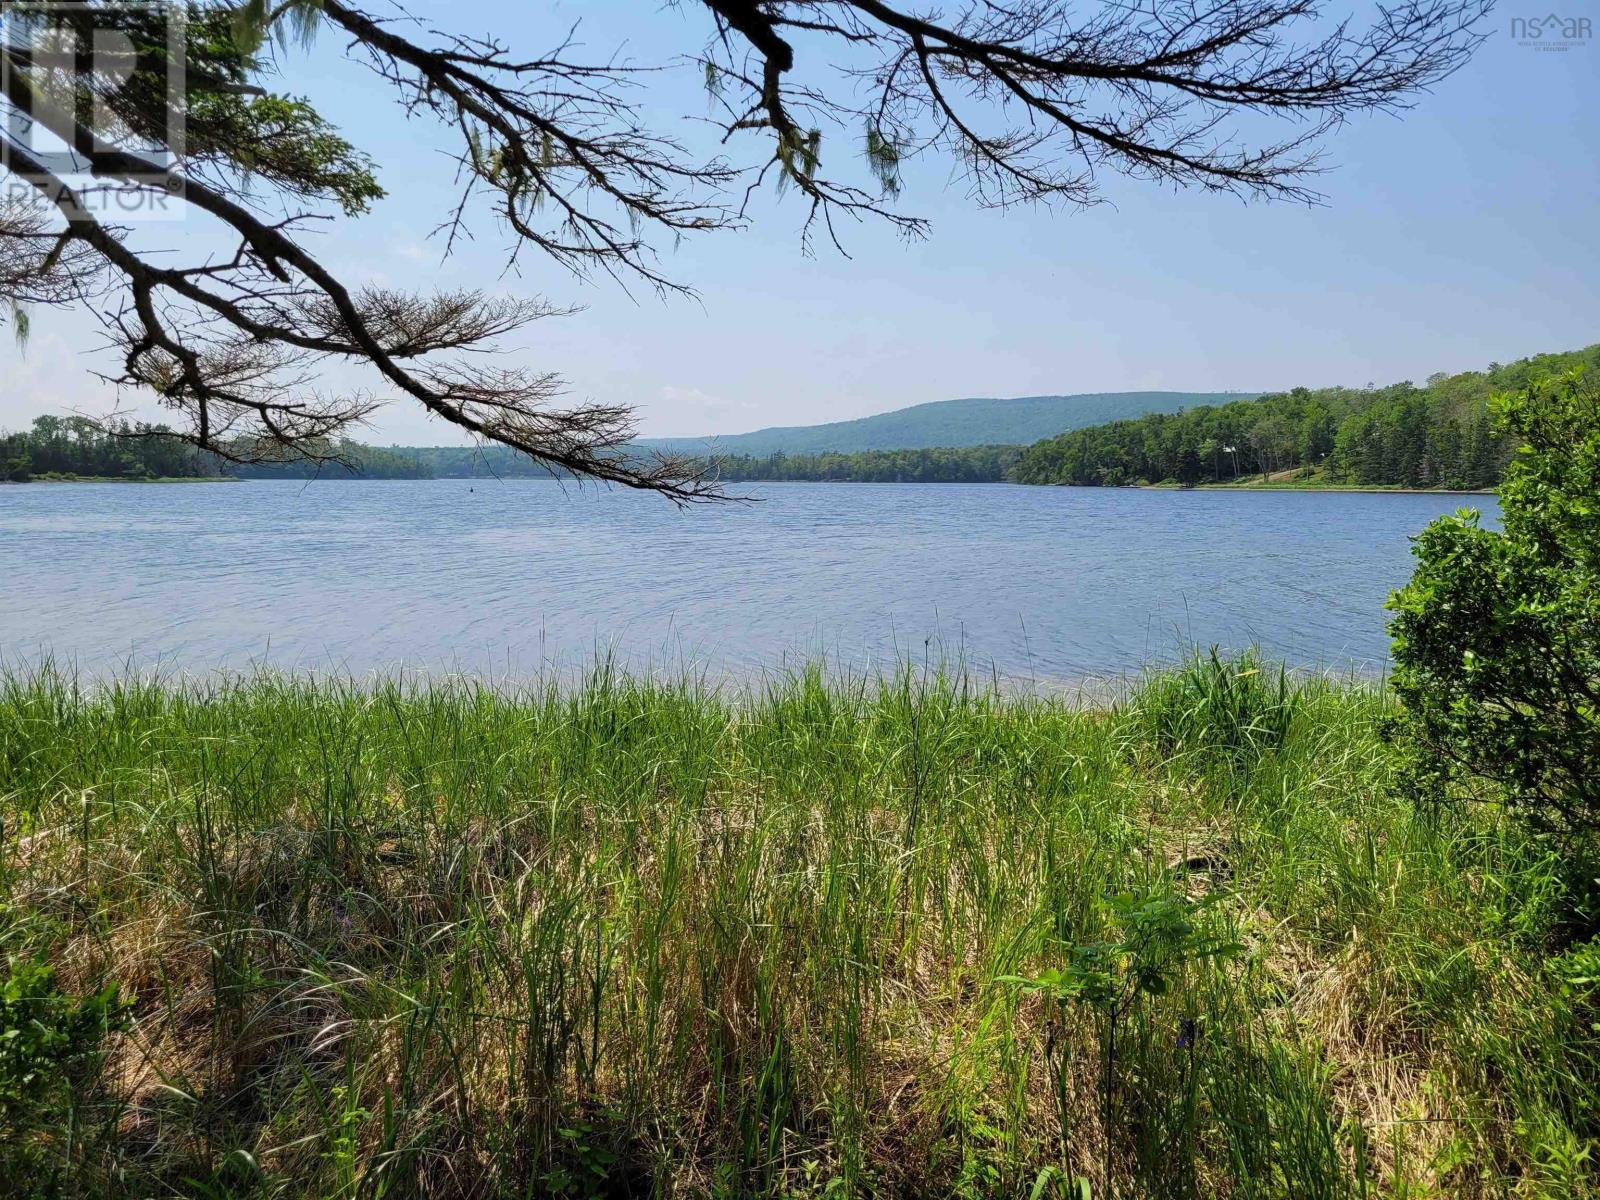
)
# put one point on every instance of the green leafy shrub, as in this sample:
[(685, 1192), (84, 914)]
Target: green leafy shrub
[(47, 1042), (1497, 636)]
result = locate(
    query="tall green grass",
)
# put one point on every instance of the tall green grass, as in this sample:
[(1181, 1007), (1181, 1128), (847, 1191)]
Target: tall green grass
[(832, 937)]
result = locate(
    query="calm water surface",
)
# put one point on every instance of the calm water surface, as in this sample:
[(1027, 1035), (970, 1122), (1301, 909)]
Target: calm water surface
[(1044, 584)]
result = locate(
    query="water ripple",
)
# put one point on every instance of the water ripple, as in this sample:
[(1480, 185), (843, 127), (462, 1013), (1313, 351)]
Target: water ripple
[(1034, 583)]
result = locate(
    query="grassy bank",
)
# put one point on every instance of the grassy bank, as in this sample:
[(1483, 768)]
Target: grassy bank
[(888, 938), (1318, 479)]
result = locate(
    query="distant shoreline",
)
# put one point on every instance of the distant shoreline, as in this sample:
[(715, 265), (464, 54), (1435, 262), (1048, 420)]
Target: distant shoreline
[(1133, 487), (121, 479), (1139, 487), (1314, 487)]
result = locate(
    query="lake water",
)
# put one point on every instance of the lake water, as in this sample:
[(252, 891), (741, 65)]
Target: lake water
[(1048, 585)]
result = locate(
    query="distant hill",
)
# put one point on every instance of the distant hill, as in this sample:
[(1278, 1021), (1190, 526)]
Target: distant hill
[(992, 430), (949, 423)]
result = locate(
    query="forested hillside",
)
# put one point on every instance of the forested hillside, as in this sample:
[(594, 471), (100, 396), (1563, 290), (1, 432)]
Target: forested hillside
[(1435, 436), (943, 424)]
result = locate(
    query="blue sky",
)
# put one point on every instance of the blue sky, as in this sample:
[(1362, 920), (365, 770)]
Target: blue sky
[(1460, 233)]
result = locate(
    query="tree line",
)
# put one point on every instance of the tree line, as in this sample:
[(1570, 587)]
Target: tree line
[(79, 448), (1439, 435), (966, 464), (340, 459), (75, 447)]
